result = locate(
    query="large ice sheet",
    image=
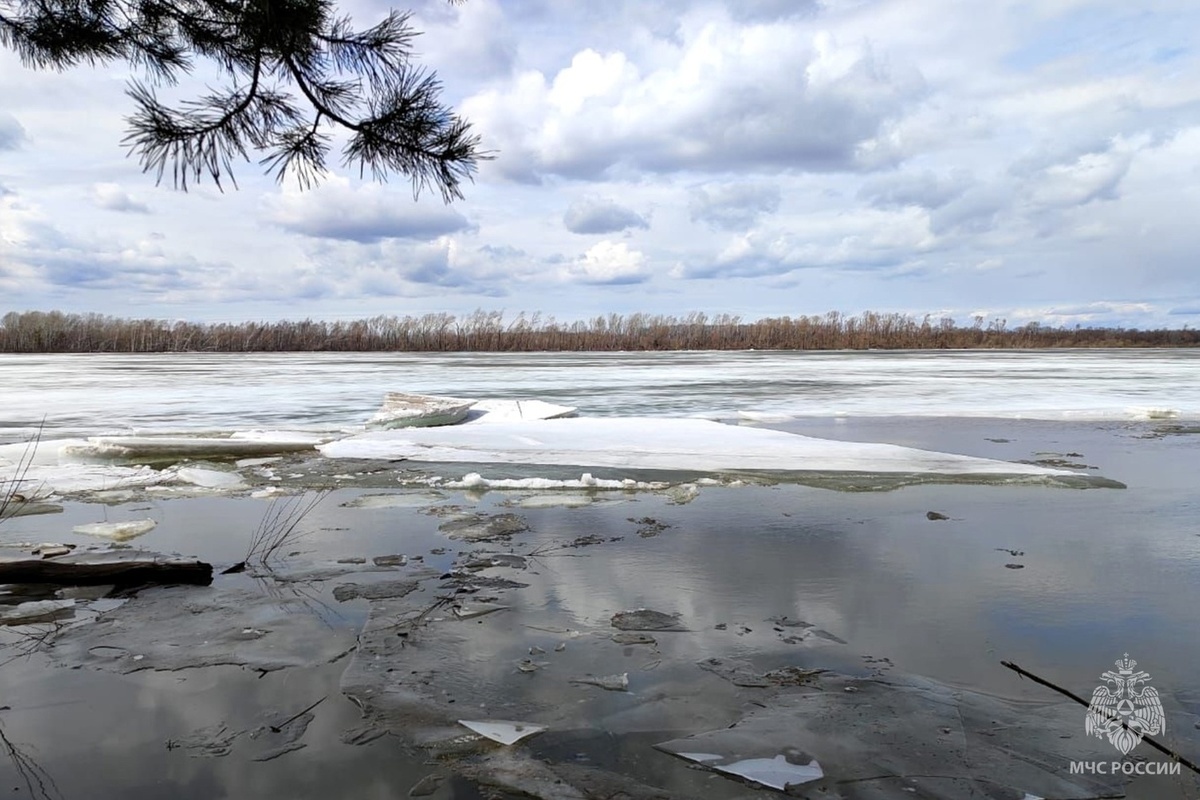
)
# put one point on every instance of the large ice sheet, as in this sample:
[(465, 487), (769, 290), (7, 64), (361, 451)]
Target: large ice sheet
[(655, 443), (492, 411)]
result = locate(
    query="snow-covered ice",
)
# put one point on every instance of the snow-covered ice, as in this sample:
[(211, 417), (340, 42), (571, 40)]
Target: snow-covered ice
[(492, 411), (655, 443), (248, 443)]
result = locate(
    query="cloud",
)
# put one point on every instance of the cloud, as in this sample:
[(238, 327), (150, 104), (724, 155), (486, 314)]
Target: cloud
[(112, 197), (733, 206), (11, 132), (364, 214), (729, 97), (608, 263), (925, 189), (1091, 176), (868, 240), (598, 215)]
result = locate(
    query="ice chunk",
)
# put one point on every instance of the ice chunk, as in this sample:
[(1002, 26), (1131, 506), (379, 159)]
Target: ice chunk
[(654, 443), (117, 531), (189, 446), (36, 611), (645, 619), (613, 683), (401, 410), (492, 411), (210, 478), (502, 731), (78, 478), (394, 500), (777, 772), (473, 480)]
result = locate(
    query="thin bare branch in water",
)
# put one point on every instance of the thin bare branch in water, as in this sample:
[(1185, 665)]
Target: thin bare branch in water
[(411, 624), (278, 528), (296, 716), (37, 781), (13, 494), (25, 640), (1024, 673)]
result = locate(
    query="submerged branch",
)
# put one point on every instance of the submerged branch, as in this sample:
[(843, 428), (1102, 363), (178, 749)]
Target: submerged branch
[(1068, 693)]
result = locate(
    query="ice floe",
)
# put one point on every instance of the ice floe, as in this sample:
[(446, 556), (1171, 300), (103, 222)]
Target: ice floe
[(473, 480), (400, 410), (117, 531), (655, 443), (242, 444), (47, 481), (502, 731), (210, 478), (777, 773)]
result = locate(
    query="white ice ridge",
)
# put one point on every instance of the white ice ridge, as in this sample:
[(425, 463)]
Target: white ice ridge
[(244, 443), (655, 443)]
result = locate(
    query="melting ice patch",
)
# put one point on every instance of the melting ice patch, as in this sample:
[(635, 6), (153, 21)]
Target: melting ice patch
[(502, 731), (777, 772), (655, 443)]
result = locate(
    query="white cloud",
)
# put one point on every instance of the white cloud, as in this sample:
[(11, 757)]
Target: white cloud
[(734, 96), (608, 263), (600, 215), (112, 197), (366, 213), (11, 132), (732, 206)]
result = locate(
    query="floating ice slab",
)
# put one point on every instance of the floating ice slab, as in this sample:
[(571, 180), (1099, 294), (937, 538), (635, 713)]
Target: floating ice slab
[(401, 410), (473, 480), (189, 446), (777, 772), (210, 478), (117, 531), (654, 443), (502, 731), (45, 481)]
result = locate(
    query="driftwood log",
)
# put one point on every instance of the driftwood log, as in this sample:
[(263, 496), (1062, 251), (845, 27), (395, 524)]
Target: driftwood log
[(125, 568)]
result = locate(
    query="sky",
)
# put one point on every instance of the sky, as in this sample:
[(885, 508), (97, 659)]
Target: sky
[(1021, 160)]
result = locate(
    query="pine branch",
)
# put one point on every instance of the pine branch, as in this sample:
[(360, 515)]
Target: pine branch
[(360, 81)]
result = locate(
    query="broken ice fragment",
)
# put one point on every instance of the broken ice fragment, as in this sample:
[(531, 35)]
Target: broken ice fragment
[(613, 683), (777, 772), (632, 637), (476, 610), (36, 611), (644, 619), (503, 731), (117, 531), (401, 410)]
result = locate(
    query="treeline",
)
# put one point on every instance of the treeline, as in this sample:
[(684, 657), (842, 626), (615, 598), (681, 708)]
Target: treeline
[(56, 332)]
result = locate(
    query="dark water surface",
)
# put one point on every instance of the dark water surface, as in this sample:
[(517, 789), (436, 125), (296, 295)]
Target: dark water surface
[(1104, 572)]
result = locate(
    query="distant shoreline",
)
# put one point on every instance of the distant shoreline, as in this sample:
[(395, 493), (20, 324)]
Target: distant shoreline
[(56, 332)]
